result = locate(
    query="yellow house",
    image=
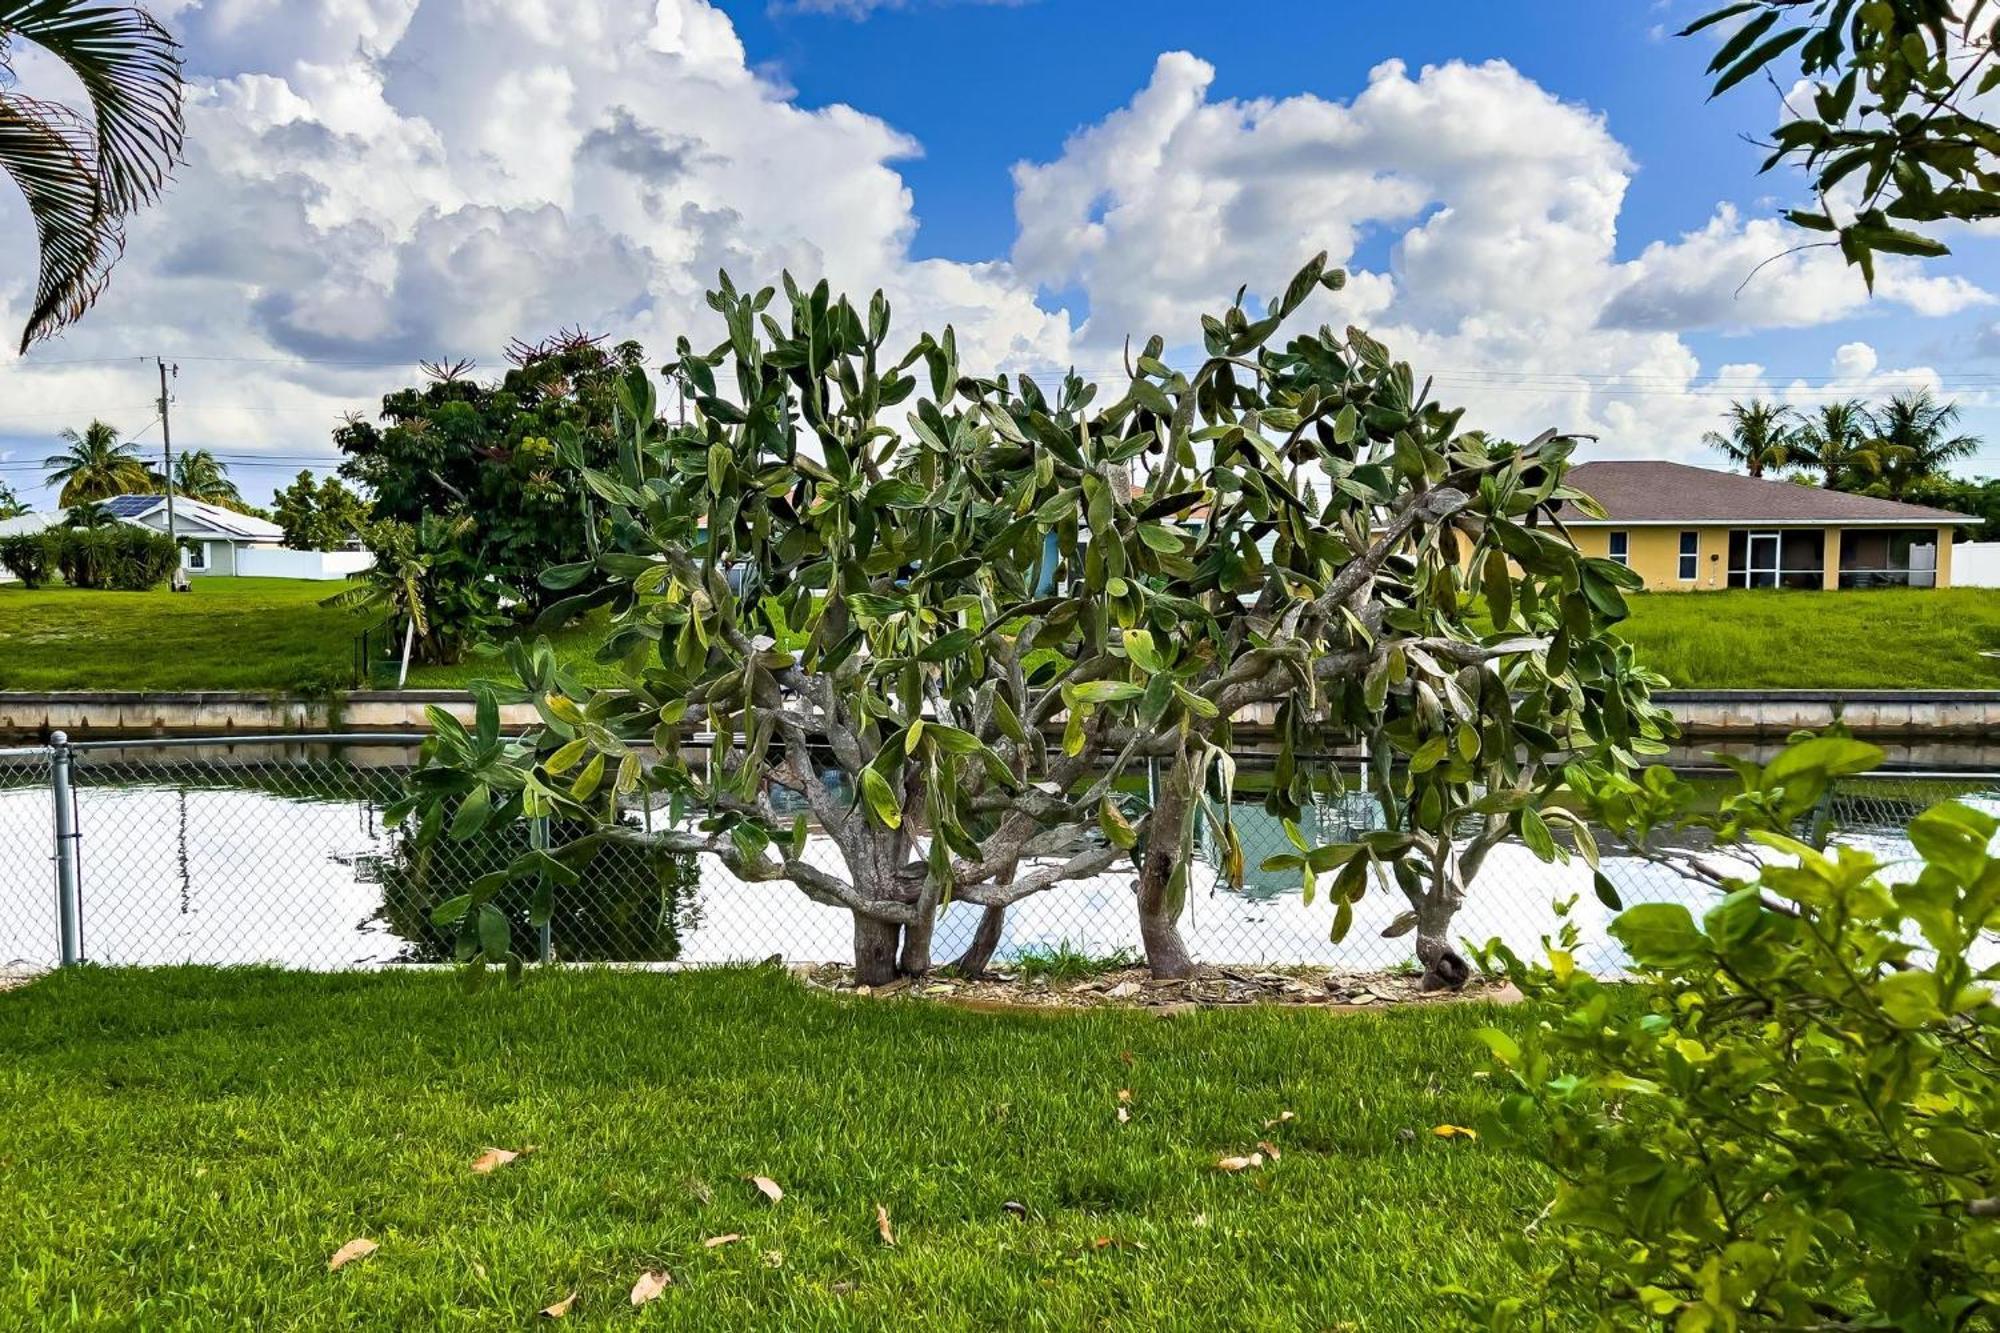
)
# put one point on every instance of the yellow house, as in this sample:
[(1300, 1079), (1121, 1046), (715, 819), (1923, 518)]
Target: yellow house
[(1689, 529)]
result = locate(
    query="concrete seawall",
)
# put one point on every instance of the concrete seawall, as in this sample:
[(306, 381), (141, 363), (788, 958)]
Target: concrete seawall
[(1720, 715)]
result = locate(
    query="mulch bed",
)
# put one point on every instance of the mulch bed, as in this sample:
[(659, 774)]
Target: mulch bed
[(1134, 988)]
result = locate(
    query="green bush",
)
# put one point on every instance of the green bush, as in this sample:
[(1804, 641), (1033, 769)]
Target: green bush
[(120, 555), (1792, 1118), (28, 557)]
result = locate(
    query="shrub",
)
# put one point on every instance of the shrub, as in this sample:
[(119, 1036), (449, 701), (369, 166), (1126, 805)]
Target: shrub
[(120, 555), (28, 557), (1792, 1119)]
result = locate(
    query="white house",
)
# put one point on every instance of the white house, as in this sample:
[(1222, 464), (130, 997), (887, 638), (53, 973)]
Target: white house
[(222, 541)]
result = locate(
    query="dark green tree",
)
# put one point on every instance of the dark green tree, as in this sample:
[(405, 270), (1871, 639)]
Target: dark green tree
[(319, 515), (1892, 136), (1915, 439), (11, 504), (1759, 437), (484, 451), (96, 465)]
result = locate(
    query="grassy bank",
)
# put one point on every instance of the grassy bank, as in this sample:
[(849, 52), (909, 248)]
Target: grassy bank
[(187, 1148), (1889, 638), (226, 634)]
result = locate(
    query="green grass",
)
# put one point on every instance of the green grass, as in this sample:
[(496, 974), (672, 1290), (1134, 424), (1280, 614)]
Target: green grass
[(1889, 638), (185, 1148), (227, 634), (1064, 962)]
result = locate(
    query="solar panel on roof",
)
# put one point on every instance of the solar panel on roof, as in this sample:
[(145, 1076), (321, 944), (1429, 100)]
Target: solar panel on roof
[(130, 506)]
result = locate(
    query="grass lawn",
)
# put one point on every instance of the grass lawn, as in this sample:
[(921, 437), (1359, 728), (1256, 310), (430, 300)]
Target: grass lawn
[(227, 634), (187, 1147), (1887, 638)]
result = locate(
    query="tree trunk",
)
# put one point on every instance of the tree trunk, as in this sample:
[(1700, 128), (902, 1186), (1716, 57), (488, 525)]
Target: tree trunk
[(874, 950), (979, 953), (1159, 916), (916, 960), (1444, 968)]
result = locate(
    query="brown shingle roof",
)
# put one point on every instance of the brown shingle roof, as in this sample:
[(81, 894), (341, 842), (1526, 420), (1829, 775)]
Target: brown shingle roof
[(1661, 492)]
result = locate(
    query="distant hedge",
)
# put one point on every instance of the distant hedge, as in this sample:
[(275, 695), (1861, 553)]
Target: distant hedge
[(119, 555)]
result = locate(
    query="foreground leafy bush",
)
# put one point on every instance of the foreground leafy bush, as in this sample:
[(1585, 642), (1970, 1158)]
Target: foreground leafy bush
[(28, 558), (1793, 1119), (114, 555)]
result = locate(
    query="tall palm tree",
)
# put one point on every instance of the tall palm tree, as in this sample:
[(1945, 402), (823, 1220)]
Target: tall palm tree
[(1837, 440), (1913, 437), (1760, 435), (96, 465), (199, 475), (83, 172)]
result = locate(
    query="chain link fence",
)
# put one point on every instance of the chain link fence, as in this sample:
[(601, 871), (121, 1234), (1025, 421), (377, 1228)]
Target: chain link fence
[(275, 851)]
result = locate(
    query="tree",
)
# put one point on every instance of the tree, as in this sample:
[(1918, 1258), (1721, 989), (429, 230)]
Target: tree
[(96, 466), (425, 578), (1914, 439), (11, 505), (484, 451), (1978, 500), (1759, 437), (319, 515), (200, 475), (809, 593), (1891, 135), (1837, 440), (1790, 1117), (82, 176)]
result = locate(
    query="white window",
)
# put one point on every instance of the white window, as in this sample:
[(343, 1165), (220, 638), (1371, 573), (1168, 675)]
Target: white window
[(1690, 556), (197, 556), (1621, 547)]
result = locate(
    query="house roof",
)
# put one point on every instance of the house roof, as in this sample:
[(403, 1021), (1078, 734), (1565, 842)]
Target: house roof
[(34, 521), (225, 521), (1662, 492)]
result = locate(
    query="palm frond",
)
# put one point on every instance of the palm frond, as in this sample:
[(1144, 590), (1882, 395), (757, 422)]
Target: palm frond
[(83, 176)]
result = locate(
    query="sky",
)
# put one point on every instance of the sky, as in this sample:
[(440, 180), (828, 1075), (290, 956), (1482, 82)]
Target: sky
[(1536, 203)]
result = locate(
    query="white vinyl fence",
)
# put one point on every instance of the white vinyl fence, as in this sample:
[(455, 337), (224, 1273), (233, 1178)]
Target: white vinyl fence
[(276, 562)]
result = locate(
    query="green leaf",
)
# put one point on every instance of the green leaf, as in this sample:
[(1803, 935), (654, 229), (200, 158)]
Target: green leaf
[(1117, 829), (495, 936), (881, 799), (1660, 935)]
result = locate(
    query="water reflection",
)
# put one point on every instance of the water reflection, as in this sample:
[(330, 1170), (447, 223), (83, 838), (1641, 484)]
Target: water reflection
[(250, 855)]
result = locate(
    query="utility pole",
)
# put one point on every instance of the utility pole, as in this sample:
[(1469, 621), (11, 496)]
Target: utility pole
[(167, 440)]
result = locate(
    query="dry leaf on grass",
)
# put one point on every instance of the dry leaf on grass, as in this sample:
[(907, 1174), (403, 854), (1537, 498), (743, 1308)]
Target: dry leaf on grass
[(774, 1258), (358, 1248), (1282, 1118), (766, 1187), (1268, 1148), (882, 1227), (650, 1284), (713, 1241), (1124, 1115), (1124, 1094), (1455, 1132), (563, 1307), (1019, 1210), (1255, 1159), (492, 1159)]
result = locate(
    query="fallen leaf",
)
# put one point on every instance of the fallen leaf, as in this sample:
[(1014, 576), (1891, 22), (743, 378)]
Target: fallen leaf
[(358, 1248), (563, 1306), (492, 1160), (1283, 1117), (1019, 1210), (1255, 1159), (842, 1288), (774, 1258), (729, 1239), (1126, 1056), (1455, 1132), (650, 1284), (1124, 1094), (1269, 1149), (767, 1187), (882, 1227), (1124, 1115)]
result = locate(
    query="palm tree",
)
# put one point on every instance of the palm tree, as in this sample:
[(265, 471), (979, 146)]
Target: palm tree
[(1760, 435), (96, 465), (83, 174), (1914, 439), (1838, 440), (11, 505), (199, 475)]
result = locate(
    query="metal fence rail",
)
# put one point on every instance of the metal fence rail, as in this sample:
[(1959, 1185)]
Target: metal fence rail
[(274, 850)]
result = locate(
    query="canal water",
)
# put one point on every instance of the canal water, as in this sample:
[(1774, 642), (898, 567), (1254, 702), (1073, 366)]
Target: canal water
[(246, 854)]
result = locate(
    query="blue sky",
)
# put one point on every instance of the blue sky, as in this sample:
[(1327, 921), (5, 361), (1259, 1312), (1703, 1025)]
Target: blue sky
[(1537, 201)]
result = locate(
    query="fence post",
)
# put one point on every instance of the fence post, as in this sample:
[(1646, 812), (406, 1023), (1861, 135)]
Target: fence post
[(67, 900), (538, 838)]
